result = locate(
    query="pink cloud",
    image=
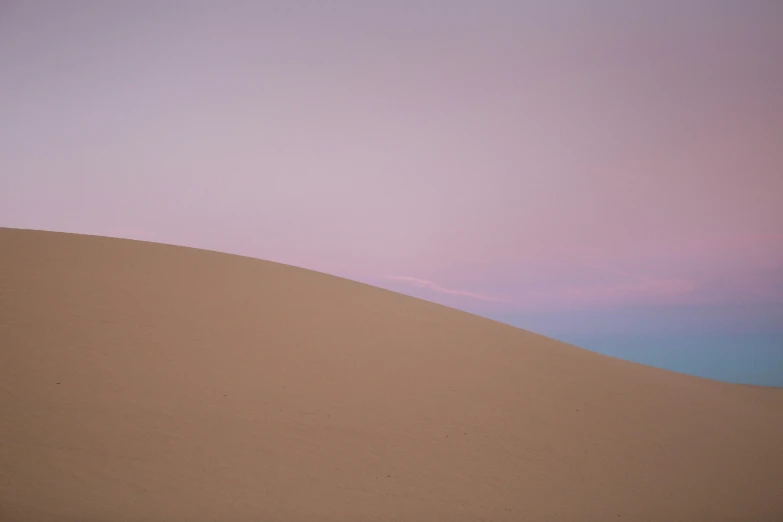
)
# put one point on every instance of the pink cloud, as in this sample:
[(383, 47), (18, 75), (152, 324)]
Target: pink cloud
[(727, 269), (732, 242), (423, 283), (706, 246), (633, 292), (609, 295), (628, 288)]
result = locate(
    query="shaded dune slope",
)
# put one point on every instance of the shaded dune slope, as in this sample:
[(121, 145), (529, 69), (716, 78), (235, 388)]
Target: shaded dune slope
[(146, 382)]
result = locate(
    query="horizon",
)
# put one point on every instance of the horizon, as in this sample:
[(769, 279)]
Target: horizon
[(727, 365), (609, 177)]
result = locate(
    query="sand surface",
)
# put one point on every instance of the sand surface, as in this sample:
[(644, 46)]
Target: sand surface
[(145, 382)]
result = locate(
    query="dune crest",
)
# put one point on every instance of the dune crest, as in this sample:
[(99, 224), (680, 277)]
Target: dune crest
[(141, 381)]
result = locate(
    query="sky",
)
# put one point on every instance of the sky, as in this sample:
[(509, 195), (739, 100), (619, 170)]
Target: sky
[(609, 173)]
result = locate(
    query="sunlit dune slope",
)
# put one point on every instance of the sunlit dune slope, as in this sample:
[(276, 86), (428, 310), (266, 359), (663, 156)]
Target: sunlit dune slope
[(145, 382)]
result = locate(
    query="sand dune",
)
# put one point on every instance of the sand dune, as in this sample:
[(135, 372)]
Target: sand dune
[(145, 382)]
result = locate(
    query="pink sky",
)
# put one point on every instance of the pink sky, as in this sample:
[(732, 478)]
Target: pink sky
[(503, 157)]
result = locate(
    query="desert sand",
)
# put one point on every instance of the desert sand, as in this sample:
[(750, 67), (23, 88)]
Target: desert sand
[(147, 382)]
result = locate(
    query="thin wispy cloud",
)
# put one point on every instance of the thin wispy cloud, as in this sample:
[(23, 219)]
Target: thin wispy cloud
[(663, 290), (626, 288), (731, 242), (431, 285), (732, 269), (704, 246), (618, 294), (617, 272)]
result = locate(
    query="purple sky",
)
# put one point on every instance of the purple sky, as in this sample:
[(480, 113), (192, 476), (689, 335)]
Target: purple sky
[(617, 163)]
